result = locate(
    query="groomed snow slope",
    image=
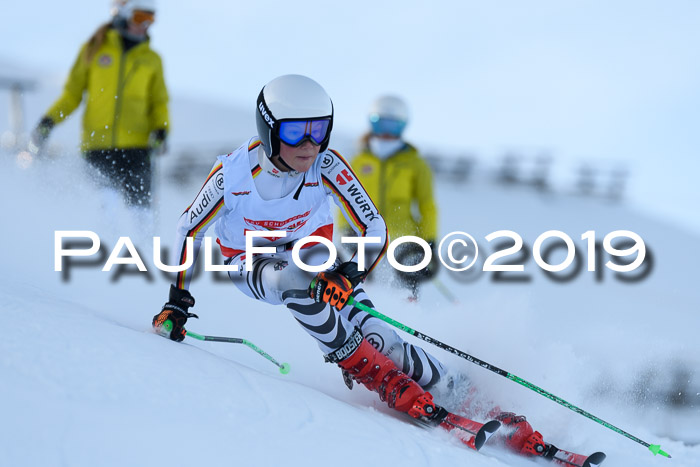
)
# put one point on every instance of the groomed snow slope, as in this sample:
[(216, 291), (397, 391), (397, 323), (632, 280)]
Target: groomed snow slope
[(85, 382)]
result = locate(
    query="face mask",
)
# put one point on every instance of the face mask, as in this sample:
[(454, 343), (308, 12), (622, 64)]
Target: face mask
[(121, 24), (383, 148)]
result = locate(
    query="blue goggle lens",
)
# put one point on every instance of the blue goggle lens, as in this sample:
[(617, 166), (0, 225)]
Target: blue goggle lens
[(386, 126), (295, 131)]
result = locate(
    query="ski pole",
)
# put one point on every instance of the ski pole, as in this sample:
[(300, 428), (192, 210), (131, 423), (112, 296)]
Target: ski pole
[(445, 291), (654, 448), (284, 367)]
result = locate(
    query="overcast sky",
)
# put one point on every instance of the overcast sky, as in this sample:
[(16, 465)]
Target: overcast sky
[(614, 80)]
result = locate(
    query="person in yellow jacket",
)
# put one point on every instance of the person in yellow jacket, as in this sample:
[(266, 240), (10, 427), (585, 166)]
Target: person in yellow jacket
[(400, 181), (126, 102)]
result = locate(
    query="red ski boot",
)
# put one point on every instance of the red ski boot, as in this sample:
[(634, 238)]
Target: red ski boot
[(378, 373), (519, 435), (365, 364)]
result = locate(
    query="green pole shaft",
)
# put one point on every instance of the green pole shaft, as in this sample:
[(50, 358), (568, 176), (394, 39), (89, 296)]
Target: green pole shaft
[(284, 367), (445, 291), (655, 448)]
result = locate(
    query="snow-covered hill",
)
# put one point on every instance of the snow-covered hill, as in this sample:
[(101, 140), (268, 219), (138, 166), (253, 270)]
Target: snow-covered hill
[(85, 382)]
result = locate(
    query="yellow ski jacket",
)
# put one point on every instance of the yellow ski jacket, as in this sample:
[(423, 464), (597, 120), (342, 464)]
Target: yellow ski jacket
[(398, 185), (126, 95)]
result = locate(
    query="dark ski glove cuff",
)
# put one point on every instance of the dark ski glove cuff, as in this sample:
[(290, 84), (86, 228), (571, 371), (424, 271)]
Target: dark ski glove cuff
[(174, 311), (180, 297)]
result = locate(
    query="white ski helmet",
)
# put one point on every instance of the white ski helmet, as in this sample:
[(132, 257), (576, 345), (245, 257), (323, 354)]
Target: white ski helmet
[(290, 97), (391, 109), (125, 8)]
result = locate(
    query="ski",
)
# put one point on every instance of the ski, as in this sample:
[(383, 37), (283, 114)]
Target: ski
[(475, 435), (571, 459), (471, 433)]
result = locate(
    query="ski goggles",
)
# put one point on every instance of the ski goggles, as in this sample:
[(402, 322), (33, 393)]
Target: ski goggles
[(294, 132), (386, 126), (142, 17)]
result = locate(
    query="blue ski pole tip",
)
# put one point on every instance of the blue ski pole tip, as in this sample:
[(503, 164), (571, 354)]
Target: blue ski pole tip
[(284, 369)]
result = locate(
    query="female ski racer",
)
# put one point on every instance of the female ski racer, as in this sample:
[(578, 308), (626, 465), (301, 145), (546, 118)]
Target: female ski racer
[(400, 181), (280, 181), (120, 79)]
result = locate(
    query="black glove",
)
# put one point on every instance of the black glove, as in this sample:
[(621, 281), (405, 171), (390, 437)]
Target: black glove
[(158, 138), (412, 254), (336, 286), (41, 133), (175, 312), (433, 266)]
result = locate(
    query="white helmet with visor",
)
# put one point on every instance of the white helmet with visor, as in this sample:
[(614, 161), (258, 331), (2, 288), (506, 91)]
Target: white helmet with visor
[(388, 116), (293, 109)]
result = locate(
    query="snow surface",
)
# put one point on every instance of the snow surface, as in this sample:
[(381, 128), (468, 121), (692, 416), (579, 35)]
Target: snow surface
[(85, 382)]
